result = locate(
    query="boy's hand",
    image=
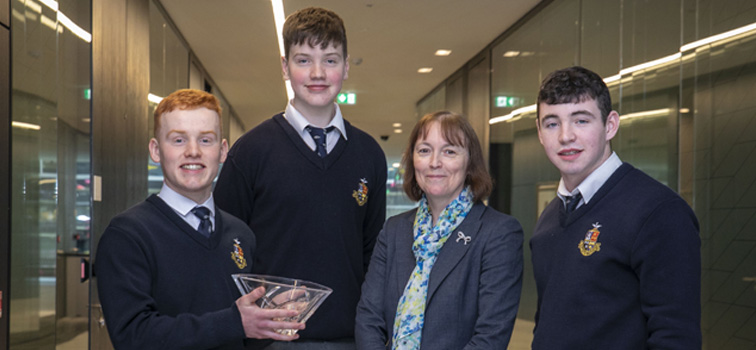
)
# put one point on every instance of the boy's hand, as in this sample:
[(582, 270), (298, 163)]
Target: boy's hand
[(261, 323)]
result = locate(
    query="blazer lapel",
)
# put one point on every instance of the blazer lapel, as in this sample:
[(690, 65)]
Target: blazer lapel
[(455, 248), (405, 259)]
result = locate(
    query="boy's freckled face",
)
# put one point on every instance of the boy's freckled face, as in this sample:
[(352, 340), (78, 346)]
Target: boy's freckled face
[(189, 149), (316, 76)]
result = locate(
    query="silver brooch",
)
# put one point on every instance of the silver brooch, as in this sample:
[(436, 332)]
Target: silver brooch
[(461, 236)]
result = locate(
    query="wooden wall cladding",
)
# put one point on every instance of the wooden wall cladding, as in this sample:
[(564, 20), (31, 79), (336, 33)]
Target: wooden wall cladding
[(5, 13), (120, 84)]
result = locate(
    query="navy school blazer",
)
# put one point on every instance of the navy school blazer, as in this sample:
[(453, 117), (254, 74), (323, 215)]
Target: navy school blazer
[(473, 291)]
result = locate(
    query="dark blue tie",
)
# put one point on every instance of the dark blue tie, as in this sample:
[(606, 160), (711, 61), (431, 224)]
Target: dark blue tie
[(205, 226), (319, 136), (571, 202)]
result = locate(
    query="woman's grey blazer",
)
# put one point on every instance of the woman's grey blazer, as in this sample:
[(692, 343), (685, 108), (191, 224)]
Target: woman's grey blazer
[(473, 291)]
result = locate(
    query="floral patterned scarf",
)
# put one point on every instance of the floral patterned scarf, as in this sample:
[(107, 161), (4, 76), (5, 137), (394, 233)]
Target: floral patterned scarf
[(429, 239)]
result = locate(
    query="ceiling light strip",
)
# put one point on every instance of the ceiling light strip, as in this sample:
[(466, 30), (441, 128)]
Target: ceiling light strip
[(651, 64), (651, 113), (74, 28), (516, 112), (718, 37), (23, 125), (48, 22), (655, 63), (154, 98), (33, 6), (61, 18), (279, 17), (52, 4)]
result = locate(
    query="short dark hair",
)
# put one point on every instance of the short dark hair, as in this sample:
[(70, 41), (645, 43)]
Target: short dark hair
[(573, 85), (457, 131), (186, 99), (316, 26)]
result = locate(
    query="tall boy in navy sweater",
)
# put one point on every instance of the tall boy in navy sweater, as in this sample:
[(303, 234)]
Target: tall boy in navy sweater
[(310, 185), (616, 256), (164, 266)]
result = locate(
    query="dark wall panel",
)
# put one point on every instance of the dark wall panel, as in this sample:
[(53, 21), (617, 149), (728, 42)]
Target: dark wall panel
[(4, 178), (120, 84)]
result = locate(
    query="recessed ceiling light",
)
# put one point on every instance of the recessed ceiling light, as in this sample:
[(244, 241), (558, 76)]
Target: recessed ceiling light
[(443, 52), (397, 125), (397, 131), (511, 53), (425, 70), (395, 165)]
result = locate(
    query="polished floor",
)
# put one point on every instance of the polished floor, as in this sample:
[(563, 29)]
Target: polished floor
[(521, 338), (77, 343)]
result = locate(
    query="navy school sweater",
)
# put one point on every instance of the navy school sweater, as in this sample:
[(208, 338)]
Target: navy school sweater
[(621, 272), (163, 285), (314, 218)]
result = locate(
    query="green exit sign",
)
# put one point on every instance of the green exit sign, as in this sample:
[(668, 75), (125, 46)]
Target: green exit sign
[(506, 101), (346, 98)]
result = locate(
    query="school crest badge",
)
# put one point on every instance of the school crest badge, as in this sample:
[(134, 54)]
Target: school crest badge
[(589, 245), (237, 255), (361, 193)]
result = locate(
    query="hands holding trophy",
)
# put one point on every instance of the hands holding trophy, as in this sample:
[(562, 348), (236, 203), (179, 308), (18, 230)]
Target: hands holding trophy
[(294, 301)]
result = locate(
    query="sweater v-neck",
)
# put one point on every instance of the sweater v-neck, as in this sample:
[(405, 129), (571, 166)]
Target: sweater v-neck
[(568, 219), (322, 163), (209, 243)]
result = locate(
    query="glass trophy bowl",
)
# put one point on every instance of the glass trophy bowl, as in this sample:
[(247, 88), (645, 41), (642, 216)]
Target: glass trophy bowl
[(285, 293)]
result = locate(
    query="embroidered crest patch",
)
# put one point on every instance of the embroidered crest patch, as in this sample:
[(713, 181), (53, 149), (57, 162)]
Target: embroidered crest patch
[(589, 245), (238, 255), (361, 193)]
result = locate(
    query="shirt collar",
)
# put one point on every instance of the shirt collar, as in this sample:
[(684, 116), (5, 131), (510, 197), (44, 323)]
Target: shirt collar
[(181, 204), (594, 181), (299, 122)]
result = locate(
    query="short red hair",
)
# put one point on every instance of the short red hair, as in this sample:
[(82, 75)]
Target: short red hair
[(187, 99)]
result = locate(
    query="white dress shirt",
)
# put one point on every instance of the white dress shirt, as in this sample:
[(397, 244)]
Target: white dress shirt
[(183, 206), (593, 182), (300, 123)]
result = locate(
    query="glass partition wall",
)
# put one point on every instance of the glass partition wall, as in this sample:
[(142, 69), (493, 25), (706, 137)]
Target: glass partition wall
[(51, 207), (51, 182), (682, 75), (169, 71), (172, 67)]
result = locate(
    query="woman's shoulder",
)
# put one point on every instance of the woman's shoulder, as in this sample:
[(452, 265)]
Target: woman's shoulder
[(398, 219), (493, 220), (490, 214)]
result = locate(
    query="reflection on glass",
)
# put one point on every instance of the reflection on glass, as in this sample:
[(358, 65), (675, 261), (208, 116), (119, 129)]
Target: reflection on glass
[(681, 74), (51, 209), (169, 71)]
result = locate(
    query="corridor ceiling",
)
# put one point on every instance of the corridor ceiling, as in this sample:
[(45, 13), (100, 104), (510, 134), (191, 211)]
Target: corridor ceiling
[(388, 41)]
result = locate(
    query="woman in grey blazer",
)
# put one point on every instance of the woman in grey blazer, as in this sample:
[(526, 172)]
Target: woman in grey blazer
[(448, 274)]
